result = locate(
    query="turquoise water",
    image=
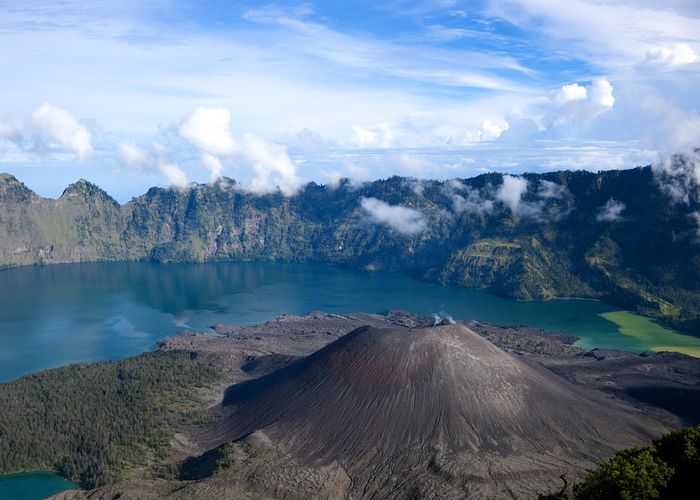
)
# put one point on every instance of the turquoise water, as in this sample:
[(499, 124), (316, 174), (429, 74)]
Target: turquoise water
[(32, 485), (53, 315)]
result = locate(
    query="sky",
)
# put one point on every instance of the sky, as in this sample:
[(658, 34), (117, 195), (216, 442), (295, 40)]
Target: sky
[(134, 94)]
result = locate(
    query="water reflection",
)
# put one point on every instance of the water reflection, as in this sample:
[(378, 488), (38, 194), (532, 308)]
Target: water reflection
[(58, 314)]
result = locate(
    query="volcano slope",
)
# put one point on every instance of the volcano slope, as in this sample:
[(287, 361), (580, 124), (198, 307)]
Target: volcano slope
[(424, 412), (399, 412)]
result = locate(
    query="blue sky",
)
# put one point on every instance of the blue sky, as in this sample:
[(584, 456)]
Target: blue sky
[(134, 94)]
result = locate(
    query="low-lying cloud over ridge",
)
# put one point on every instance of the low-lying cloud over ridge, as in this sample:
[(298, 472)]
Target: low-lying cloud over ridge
[(403, 220), (511, 193), (208, 130), (175, 175), (466, 199), (678, 176), (611, 211)]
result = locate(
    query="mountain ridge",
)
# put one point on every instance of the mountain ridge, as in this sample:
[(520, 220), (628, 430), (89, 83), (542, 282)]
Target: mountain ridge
[(613, 235)]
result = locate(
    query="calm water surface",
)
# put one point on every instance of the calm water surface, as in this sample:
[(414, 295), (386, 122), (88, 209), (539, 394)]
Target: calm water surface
[(32, 485), (53, 315)]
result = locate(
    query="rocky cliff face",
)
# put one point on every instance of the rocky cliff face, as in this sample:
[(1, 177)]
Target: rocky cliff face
[(616, 235)]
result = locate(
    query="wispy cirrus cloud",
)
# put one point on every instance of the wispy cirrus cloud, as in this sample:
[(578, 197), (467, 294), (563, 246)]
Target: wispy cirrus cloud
[(605, 33)]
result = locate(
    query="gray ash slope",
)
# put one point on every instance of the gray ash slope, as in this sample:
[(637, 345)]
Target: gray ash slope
[(324, 407), (428, 412)]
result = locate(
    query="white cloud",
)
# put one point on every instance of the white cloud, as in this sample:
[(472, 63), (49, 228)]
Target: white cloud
[(401, 219), (668, 58), (511, 192), (489, 131), (363, 137), (412, 165), (380, 57), (309, 141), (669, 129), (418, 186), (59, 126), (213, 165), (131, 155), (611, 211), (466, 199), (571, 92), (209, 130), (551, 190), (601, 95), (272, 166), (10, 132), (446, 34), (607, 34), (175, 175), (374, 136), (357, 173), (333, 178), (679, 176), (575, 106)]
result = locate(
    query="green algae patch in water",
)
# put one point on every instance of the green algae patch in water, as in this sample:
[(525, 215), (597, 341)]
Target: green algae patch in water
[(32, 485), (650, 336)]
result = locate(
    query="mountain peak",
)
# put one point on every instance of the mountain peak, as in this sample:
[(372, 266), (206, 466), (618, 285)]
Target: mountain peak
[(12, 190), (86, 190)]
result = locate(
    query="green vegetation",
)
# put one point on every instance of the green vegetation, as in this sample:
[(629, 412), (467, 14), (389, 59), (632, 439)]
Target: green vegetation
[(211, 462), (520, 268), (646, 261), (227, 457), (666, 470), (655, 337), (97, 423)]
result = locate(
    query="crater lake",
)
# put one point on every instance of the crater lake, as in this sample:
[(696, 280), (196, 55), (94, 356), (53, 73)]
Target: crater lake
[(68, 313)]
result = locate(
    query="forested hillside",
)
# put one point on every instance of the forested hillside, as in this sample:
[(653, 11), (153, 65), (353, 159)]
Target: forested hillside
[(98, 423)]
